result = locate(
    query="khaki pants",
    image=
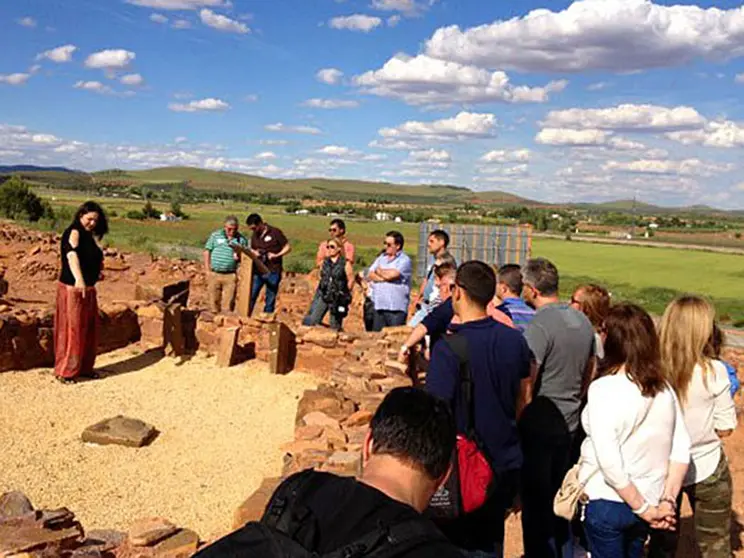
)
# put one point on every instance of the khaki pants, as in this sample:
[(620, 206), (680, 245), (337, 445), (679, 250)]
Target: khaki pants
[(222, 288)]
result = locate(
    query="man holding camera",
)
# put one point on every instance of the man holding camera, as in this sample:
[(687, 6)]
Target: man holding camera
[(268, 246)]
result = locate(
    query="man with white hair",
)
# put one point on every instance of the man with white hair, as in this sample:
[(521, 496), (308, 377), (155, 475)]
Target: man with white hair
[(221, 264)]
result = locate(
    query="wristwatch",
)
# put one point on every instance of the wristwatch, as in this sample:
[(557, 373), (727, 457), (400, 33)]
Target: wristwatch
[(404, 348)]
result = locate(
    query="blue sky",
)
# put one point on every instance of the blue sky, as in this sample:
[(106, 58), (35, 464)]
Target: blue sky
[(559, 101)]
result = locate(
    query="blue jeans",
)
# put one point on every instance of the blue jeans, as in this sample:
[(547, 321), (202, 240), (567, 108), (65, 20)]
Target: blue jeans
[(614, 531), (318, 309), (389, 318), (271, 280)]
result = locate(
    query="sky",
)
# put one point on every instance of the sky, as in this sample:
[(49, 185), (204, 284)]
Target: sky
[(558, 101)]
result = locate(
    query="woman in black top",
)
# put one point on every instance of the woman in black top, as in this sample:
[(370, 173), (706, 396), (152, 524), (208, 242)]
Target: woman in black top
[(334, 289), (76, 318)]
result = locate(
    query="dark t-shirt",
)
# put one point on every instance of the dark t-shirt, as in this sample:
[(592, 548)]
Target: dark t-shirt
[(346, 509), (270, 240), (438, 320), (89, 254), (499, 361)]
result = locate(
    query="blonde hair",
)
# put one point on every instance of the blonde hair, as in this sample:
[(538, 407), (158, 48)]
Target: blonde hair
[(685, 330)]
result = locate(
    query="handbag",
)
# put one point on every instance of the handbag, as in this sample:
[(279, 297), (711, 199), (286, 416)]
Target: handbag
[(468, 486)]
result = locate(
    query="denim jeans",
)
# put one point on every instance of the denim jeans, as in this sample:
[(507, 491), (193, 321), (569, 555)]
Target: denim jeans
[(271, 280), (318, 309), (613, 530), (388, 318)]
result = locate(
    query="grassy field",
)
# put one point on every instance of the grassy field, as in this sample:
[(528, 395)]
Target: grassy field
[(649, 276)]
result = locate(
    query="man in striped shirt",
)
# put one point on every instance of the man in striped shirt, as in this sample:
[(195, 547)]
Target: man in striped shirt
[(221, 264), (508, 290)]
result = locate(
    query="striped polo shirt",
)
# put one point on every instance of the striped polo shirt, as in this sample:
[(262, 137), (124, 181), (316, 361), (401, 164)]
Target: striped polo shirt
[(222, 258), (521, 314)]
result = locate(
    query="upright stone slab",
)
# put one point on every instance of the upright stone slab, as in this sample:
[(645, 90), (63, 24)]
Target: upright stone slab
[(120, 430), (174, 338), (245, 282), (282, 349), (228, 347)]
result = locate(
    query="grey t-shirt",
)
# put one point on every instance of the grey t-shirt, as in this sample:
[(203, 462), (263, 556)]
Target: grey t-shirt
[(562, 342)]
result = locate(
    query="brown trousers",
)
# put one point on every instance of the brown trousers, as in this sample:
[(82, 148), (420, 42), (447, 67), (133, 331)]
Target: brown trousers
[(222, 287)]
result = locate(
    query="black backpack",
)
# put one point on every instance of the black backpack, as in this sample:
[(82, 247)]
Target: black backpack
[(274, 536)]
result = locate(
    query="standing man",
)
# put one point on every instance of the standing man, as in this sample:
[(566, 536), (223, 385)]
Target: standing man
[(337, 230), (390, 278), (269, 245), (509, 290), (437, 245), (562, 343), (221, 263), (499, 362)]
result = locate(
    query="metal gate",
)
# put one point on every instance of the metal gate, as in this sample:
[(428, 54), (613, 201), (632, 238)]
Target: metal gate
[(493, 244)]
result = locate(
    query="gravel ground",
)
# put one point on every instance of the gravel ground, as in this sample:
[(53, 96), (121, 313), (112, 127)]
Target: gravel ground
[(220, 435)]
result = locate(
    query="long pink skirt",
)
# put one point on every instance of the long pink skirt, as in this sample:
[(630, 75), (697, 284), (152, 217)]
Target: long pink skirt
[(75, 331)]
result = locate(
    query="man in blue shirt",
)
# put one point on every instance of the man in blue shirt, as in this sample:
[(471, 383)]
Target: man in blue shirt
[(390, 279), (509, 290), (500, 368)]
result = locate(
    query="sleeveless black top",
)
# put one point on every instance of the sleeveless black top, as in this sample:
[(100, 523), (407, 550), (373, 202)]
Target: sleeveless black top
[(89, 254), (334, 285)]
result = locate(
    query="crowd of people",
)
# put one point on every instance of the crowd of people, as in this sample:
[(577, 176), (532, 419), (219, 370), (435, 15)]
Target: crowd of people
[(538, 385)]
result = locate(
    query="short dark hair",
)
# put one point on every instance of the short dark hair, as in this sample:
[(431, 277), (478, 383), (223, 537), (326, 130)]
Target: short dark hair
[(102, 227), (397, 237), (339, 223), (478, 280), (254, 219), (542, 275), (715, 344), (632, 344), (511, 276), (441, 235), (415, 427)]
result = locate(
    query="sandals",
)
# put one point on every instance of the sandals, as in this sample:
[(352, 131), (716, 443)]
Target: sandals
[(66, 381)]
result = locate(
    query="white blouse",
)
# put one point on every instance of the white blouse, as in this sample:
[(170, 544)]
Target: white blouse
[(630, 438), (709, 407)]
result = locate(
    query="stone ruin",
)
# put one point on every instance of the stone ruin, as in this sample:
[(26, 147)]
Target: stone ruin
[(356, 370)]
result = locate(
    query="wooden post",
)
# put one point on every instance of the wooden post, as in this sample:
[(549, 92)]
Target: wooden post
[(228, 346), (174, 341), (245, 284), (282, 348)]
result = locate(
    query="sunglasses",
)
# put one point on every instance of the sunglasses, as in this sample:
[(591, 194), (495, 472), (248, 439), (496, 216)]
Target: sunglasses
[(333, 229), (388, 244), (332, 247)]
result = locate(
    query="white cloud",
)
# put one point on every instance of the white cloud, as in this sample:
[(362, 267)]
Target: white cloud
[(431, 155), (393, 21), (496, 174), (393, 144), (158, 18), (273, 142), (95, 86), (181, 24), (588, 137), (266, 155), (59, 54), (598, 86), (356, 22), (685, 167), (330, 103), (222, 23), (337, 151), (724, 134), (110, 59), (202, 105), (410, 8), (739, 78), (132, 80), (34, 69), (617, 35), (27, 22), (374, 157), (281, 127), (14, 79), (739, 187), (252, 98), (180, 4), (504, 156), (180, 139), (627, 117), (465, 125), (331, 76), (423, 80)]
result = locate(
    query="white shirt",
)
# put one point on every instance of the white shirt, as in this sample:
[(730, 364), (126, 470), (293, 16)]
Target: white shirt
[(708, 408), (630, 438)]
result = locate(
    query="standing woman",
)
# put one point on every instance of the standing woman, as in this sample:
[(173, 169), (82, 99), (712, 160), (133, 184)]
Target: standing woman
[(594, 302), (703, 387), (333, 294), (637, 449), (76, 318)]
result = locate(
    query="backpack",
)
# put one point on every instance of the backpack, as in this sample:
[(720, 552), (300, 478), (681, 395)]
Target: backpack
[(274, 536)]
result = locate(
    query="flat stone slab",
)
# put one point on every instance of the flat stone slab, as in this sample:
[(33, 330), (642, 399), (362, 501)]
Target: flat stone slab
[(120, 430), (14, 504)]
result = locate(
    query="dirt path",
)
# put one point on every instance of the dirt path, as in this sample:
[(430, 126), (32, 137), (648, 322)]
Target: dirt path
[(220, 435)]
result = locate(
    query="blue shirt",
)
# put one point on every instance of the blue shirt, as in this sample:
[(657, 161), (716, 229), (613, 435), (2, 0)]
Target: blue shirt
[(438, 320), (393, 296), (519, 311), (499, 361)]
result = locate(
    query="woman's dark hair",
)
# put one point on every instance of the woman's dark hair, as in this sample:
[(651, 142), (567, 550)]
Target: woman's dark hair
[(715, 344), (633, 343), (102, 227)]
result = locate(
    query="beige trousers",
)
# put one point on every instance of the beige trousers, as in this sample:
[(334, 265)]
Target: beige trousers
[(222, 288)]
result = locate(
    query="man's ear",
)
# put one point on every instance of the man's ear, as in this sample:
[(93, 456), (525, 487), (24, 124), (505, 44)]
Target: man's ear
[(367, 447)]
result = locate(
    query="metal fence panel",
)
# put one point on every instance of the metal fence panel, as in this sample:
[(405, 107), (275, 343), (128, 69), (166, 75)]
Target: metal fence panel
[(493, 244)]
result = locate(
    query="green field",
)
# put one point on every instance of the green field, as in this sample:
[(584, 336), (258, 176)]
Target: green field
[(649, 276)]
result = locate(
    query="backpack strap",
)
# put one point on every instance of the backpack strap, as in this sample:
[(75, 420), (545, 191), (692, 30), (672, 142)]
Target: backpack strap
[(286, 511), (391, 541), (459, 345)]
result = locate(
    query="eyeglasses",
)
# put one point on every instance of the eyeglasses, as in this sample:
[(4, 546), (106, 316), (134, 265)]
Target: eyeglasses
[(388, 244), (332, 247), (333, 230)]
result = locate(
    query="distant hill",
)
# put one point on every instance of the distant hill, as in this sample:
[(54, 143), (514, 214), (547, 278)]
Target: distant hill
[(9, 169)]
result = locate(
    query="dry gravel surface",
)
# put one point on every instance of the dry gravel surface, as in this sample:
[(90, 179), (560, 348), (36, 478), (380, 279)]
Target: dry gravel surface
[(220, 432)]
